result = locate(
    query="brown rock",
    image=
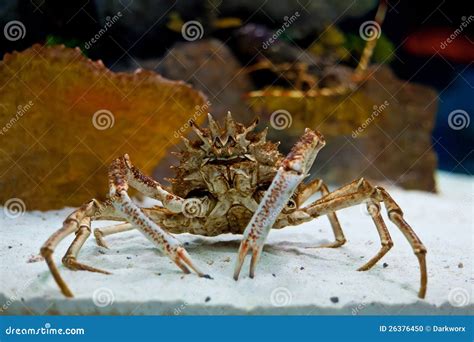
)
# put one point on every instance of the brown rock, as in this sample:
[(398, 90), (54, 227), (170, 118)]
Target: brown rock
[(393, 144), (210, 67)]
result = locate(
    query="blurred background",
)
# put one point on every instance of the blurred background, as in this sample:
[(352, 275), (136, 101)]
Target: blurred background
[(426, 49)]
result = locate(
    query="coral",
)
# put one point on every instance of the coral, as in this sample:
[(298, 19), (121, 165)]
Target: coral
[(66, 117)]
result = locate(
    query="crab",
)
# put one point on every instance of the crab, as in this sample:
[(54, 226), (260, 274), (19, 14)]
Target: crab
[(229, 180)]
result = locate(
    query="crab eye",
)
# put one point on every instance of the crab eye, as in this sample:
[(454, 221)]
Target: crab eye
[(291, 204)]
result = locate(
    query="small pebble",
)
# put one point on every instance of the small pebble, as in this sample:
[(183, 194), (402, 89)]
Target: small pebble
[(207, 299), (35, 258), (384, 265), (460, 265), (334, 299)]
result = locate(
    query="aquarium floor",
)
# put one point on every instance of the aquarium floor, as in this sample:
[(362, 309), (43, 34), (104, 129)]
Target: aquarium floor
[(290, 278)]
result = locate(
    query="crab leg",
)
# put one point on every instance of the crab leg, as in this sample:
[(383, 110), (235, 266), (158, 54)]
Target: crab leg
[(292, 171), (149, 187), (73, 223), (371, 43), (386, 241), (310, 189), (361, 191), (100, 233), (69, 259), (133, 214)]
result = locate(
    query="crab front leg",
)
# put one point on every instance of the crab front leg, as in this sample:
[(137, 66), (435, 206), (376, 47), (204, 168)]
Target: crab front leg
[(292, 171), (133, 214)]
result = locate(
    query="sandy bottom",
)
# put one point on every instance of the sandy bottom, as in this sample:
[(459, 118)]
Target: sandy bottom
[(291, 278)]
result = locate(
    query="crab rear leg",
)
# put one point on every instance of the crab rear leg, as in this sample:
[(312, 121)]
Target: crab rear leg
[(361, 191), (70, 258), (100, 233), (310, 189), (292, 171), (78, 222)]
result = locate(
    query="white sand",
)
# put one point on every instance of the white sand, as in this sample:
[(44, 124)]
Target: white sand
[(290, 278)]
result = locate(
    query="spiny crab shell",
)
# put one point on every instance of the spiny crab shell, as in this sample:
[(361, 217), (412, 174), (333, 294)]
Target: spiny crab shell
[(228, 168)]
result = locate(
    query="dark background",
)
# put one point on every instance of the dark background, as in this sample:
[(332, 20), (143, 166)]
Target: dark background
[(422, 22)]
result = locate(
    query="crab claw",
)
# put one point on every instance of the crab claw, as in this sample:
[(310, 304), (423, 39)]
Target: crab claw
[(182, 259), (243, 250), (292, 171)]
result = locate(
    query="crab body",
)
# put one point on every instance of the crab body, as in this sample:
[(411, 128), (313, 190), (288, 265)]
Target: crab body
[(223, 176)]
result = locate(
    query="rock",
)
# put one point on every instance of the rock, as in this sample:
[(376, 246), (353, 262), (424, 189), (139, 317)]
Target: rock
[(314, 15), (211, 68), (382, 131), (141, 29)]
